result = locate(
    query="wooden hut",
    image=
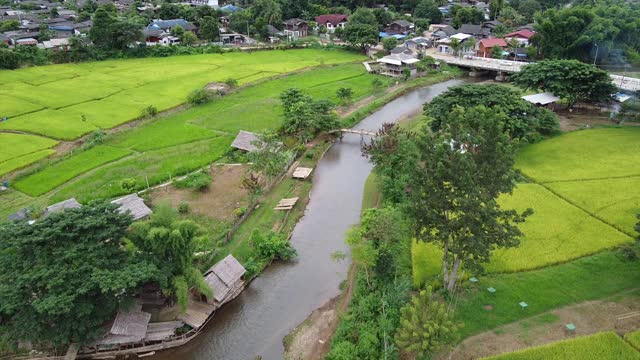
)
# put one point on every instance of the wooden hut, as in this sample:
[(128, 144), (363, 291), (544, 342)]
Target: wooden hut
[(134, 205), (129, 327), (246, 141), (61, 206), (225, 278)]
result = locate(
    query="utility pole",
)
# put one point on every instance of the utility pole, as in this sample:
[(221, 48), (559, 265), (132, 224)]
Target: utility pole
[(596, 58)]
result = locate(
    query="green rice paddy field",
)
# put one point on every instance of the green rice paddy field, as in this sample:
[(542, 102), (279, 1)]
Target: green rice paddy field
[(178, 142), (64, 102), (585, 194), (601, 346)]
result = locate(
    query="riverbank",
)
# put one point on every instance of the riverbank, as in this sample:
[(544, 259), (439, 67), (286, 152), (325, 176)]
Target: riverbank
[(285, 293)]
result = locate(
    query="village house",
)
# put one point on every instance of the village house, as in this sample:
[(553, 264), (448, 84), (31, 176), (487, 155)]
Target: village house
[(129, 327), (522, 36), (444, 45), (55, 44), (400, 27), (232, 38), (332, 21), (474, 30), (441, 32), (62, 206), (296, 28), (246, 141), (485, 46), (394, 65)]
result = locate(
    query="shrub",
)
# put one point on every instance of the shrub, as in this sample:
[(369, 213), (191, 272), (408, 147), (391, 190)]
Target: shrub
[(128, 185), (239, 212), (199, 181), (272, 245), (183, 208), (232, 83), (199, 97), (149, 111)]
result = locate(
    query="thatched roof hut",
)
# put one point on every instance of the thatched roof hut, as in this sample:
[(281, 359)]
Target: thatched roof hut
[(128, 327), (134, 205), (246, 141), (61, 206), (225, 278)]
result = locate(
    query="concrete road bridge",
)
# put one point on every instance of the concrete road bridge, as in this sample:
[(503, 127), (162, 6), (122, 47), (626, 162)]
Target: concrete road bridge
[(505, 67)]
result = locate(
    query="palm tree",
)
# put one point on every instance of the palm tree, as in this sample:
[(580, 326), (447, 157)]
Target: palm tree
[(455, 46)]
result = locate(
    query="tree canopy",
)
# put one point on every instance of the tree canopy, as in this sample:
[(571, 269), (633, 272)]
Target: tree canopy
[(170, 243), (64, 276), (524, 121), (462, 170), (305, 116), (568, 79)]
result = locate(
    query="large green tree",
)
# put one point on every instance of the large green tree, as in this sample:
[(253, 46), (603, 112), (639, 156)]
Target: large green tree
[(524, 121), (209, 29), (562, 33), (170, 243), (428, 9), (64, 276), (462, 170), (568, 79), (305, 116)]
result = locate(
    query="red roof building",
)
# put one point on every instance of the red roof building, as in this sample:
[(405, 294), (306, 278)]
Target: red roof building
[(332, 21), (485, 46), (521, 34)]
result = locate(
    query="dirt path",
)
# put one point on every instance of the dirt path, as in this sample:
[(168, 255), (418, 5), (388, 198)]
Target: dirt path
[(311, 339), (588, 317), (348, 110)]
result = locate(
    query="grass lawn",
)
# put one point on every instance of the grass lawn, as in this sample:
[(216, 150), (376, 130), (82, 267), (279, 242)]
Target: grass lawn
[(616, 201), (582, 155), (557, 232), (67, 101), (156, 166), (633, 338), (24, 160), (16, 145), (587, 278), (601, 346), (58, 173), (176, 143)]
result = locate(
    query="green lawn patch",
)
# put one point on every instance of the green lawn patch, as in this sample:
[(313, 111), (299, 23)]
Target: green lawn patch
[(616, 201), (156, 166), (64, 124), (581, 280), (601, 346), (110, 93), (583, 155), (633, 338), (25, 160), (557, 232), (65, 170), (13, 107), (16, 145)]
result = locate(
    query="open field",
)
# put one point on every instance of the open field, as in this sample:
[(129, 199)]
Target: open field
[(573, 216), (583, 155), (557, 232), (203, 133), (67, 101), (602, 346), (633, 338), (588, 278)]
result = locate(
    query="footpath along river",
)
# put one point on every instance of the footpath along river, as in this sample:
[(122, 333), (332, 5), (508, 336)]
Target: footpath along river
[(255, 323)]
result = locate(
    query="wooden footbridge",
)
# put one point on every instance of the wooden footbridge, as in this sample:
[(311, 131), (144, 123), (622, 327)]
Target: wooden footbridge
[(354, 131)]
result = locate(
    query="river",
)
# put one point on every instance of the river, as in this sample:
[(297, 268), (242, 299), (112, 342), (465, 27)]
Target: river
[(285, 293)]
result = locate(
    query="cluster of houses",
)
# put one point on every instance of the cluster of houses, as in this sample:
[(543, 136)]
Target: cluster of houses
[(62, 26), (473, 41)]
